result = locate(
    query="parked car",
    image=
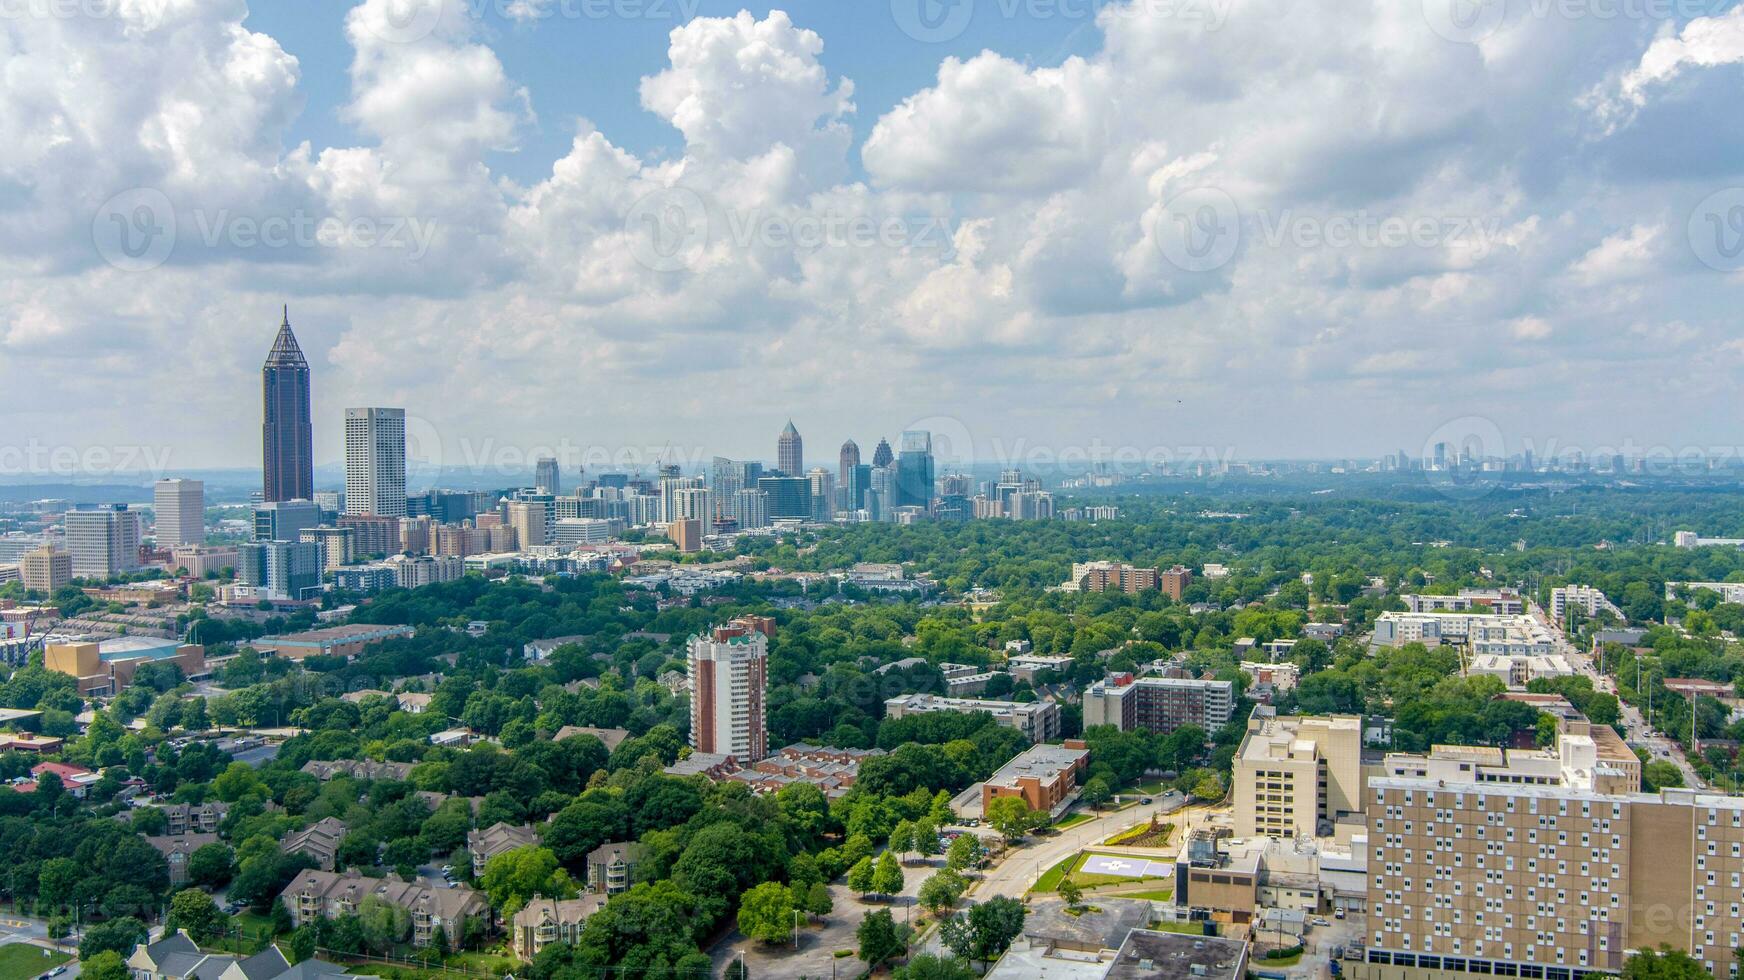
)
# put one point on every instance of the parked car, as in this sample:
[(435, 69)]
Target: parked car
[(1338, 913)]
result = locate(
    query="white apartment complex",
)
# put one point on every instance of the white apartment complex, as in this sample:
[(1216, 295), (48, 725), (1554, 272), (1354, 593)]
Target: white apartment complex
[(1587, 599)]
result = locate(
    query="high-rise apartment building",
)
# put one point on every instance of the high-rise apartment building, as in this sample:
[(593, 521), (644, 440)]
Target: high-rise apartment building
[(1031, 505), (283, 570), (751, 508), (693, 503), (333, 544), (45, 569), (914, 470), (1547, 864), (1100, 576), (728, 689), (375, 461), (546, 476), (685, 533), (1175, 581), (103, 542), (1293, 774), (790, 451), (1158, 704), (823, 494), (180, 512), (287, 445)]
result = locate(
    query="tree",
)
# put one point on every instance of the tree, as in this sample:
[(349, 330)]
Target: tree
[(1664, 963), (1097, 793), (513, 877), (116, 935), (880, 938), (941, 891), (818, 901), (860, 877), (106, 965), (964, 853), (1660, 773), (302, 944), (886, 875), (194, 910), (210, 866), (1070, 891), (767, 912), (985, 931), (1011, 816), (1209, 786), (902, 837), (926, 838)]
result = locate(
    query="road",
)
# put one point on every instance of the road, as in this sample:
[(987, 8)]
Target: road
[(1636, 730)]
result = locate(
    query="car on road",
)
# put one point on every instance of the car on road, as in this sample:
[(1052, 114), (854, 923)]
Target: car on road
[(1146, 801)]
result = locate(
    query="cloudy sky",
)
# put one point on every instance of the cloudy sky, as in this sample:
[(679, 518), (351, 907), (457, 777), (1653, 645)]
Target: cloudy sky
[(1262, 227)]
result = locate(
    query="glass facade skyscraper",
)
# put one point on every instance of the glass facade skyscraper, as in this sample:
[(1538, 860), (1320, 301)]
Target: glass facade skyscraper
[(287, 450)]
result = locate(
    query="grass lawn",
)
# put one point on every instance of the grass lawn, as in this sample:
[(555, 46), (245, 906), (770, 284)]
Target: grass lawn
[(1073, 820), (1152, 788), (1290, 960), (21, 961), (1050, 881)]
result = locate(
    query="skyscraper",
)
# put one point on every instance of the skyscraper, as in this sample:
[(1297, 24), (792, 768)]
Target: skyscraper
[(788, 496), (914, 470), (547, 476), (103, 542), (375, 461), (180, 508), (287, 450), (882, 456), (728, 671), (850, 458), (790, 451)]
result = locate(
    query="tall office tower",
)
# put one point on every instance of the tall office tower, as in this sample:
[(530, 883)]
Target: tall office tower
[(45, 569), (181, 512), (823, 494), (790, 451), (882, 456), (285, 520), (331, 502), (287, 446), (529, 519), (859, 481), (375, 461), (789, 496), (850, 458), (751, 508), (103, 542), (546, 476), (914, 470), (728, 671), (280, 569)]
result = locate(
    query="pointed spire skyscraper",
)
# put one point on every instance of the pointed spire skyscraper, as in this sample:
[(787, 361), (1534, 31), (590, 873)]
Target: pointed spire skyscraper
[(790, 451), (287, 451)]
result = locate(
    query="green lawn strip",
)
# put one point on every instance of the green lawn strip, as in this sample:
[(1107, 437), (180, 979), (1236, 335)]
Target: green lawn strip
[(1050, 879), (1155, 894), (1188, 928), (21, 961), (1073, 821), (1290, 960)]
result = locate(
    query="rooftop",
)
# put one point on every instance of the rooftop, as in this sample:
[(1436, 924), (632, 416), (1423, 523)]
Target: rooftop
[(1044, 762)]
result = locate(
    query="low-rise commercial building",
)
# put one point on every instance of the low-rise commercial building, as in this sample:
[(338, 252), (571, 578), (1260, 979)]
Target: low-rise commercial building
[(334, 641), (1043, 776)]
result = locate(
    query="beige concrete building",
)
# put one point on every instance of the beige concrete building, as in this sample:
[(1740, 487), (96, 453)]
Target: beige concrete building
[(1292, 774), (1544, 865), (45, 569)]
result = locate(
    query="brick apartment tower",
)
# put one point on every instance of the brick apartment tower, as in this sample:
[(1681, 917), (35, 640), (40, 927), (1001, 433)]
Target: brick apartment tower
[(729, 689)]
